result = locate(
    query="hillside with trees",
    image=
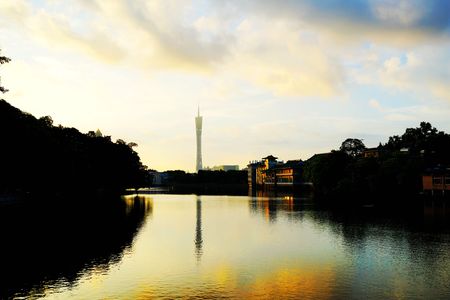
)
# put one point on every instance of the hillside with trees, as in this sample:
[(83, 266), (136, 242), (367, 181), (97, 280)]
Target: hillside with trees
[(393, 175), (37, 156)]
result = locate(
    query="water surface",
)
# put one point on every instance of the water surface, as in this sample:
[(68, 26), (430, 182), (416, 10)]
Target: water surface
[(245, 247)]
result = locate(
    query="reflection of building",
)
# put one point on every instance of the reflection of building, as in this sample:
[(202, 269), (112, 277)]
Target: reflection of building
[(198, 128), (270, 207), (225, 168), (269, 172), (436, 180)]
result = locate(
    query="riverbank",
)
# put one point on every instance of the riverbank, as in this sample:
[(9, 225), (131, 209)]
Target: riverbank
[(11, 199), (236, 189)]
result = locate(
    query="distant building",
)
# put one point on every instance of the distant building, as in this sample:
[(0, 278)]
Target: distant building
[(158, 178), (225, 168), (269, 172), (371, 152)]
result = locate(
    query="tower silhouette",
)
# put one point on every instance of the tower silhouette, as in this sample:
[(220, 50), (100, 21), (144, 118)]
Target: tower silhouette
[(198, 127)]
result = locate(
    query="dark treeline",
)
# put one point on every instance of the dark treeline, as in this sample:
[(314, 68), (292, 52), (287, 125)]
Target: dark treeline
[(348, 176), (208, 182), (36, 156), (206, 176)]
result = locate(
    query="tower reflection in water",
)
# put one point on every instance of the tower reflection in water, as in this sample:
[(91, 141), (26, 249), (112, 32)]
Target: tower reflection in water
[(198, 230)]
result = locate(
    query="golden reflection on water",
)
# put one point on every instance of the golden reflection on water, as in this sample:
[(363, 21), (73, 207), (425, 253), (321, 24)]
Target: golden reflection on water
[(131, 201), (224, 281), (291, 282)]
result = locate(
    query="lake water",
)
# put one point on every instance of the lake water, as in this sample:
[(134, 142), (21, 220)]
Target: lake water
[(187, 246)]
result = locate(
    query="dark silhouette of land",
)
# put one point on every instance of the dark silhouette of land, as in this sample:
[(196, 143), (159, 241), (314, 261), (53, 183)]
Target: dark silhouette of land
[(206, 182), (37, 156), (389, 174)]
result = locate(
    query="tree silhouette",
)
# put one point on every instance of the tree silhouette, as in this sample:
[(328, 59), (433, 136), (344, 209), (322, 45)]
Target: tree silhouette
[(3, 60), (352, 147), (41, 157), (394, 177)]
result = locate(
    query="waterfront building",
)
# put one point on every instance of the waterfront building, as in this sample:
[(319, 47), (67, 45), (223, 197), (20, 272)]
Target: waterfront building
[(198, 129), (436, 181), (270, 172)]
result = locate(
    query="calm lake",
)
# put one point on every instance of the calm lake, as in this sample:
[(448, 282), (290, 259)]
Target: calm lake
[(187, 246)]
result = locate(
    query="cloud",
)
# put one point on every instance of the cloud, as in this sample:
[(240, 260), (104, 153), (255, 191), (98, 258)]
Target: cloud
[(163, 34), (269, 55), (398, 23), (409, 113), (375, 104), (301, 49), (424, 72), (399, 117), (400, 12), (274, 56), (56, 30)]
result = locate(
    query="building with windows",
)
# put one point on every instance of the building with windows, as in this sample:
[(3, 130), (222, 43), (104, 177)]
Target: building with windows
[(436, 181), (271, 173)]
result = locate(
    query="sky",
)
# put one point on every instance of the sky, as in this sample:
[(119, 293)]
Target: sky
[(288, 78)]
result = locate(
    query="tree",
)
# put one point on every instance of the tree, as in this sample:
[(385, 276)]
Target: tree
[(3, 60), (46, 121), (352, 147), (423, 138)]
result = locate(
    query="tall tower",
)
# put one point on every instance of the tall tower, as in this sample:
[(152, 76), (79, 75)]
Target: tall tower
[(198, 127)]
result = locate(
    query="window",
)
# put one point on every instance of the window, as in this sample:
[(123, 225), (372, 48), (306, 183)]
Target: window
[(437, 180), (447, 180)]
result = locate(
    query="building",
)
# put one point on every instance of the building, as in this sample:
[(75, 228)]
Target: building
[(371, 152), (269, 172), (225, 168), (436, 181), (158, 178), (198, 128)]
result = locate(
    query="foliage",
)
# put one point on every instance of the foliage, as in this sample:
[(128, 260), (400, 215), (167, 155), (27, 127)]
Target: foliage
[(3, 60), (207, 182), (424, 140), (205, 176), (394, 174), (353, 147), (37, 156)]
